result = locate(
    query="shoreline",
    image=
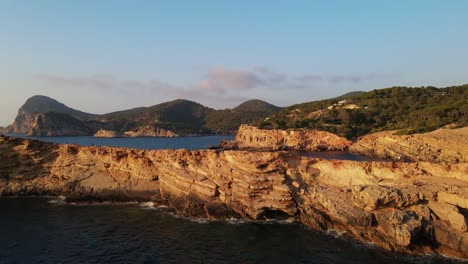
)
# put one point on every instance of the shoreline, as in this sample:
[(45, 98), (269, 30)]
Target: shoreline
[(387, 203), (337, 234)]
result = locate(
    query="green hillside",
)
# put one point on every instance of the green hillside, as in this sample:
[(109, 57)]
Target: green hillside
[(407, 109), (43, 104), (245, 113), (187, 117)]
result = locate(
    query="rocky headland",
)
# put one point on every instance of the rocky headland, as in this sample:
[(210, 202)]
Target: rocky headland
[(250, 137), (144, 132), (401, 206), (442, 145), (170, 119), (57, 125)]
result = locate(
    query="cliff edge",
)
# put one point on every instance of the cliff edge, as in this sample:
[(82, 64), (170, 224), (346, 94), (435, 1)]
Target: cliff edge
[(442, 145), (411, 207), (250, 137)]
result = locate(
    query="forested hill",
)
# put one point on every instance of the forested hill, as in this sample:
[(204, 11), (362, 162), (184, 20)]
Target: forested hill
[(406, 109), (180, 116)]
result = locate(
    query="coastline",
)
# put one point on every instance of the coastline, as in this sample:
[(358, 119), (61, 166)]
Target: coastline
[(321, 194)]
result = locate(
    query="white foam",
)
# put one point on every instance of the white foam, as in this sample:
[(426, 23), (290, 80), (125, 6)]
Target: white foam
[(147, 205), (58, 200), (335, 233), (235, 221)]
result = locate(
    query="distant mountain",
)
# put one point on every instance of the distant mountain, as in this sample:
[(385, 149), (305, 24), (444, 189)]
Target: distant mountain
[(40, 104), (398, 108), (44, 104), (187, 117), (257, 106), (180, 116), (245, 113), (44, 116)]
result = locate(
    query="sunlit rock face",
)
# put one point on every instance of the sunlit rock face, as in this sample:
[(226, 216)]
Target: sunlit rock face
[(276, 139), (416, 207), (442, 145)]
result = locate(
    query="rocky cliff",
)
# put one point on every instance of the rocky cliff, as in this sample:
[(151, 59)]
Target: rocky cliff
[(442, 145), (417, 207), (276, 139), (104, 133), (56, 124), (24, 121), (151, 131), (144, 132)]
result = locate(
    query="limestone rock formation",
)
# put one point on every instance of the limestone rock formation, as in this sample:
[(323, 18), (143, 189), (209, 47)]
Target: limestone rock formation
[(22, 124), (416, 207), (24, 121), (442, 145), (150, 131), (103, 133), (56, 124), (276, 139)]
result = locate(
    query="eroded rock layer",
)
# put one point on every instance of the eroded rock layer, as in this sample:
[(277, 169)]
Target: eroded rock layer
[(301, 139), (418, 207), (442, 145)]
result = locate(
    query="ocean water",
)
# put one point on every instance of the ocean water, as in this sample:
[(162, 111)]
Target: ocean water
[(39, 230), (192, 143), (199, 142), (33, 230)]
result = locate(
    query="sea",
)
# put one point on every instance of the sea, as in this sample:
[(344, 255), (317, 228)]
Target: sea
[(48, 230)]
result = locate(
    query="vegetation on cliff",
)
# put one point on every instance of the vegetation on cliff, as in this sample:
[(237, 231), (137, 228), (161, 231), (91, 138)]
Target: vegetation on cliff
[(245, 113), (43, 104), (410, 110)]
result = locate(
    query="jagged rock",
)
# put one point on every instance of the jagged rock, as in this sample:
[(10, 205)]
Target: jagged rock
[(103, 133), (401, 228), (398, 206), (276, 139), (150, 131), (228, 145), (459, 199), (144, 132), (38, 104), (449, 213), (442, 145)]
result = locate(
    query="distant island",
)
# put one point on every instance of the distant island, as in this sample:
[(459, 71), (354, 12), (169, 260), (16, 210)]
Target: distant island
[(44, 116), (408, 110)]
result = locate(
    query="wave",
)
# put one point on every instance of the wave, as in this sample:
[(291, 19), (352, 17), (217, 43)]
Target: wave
[(59, 200)]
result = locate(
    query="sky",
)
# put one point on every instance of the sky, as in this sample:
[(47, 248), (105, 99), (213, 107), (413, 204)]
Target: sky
[(104, 56)]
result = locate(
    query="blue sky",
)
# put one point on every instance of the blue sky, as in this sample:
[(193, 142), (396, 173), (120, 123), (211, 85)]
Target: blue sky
[(102, 56)]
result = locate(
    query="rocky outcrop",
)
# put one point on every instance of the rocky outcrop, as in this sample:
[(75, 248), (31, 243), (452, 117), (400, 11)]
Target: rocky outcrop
[(22, 124), (38, 104), (144, 132), (56, 124), (103, 133), (249, 137), (151, 131), (417, 207), (442, 145)]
